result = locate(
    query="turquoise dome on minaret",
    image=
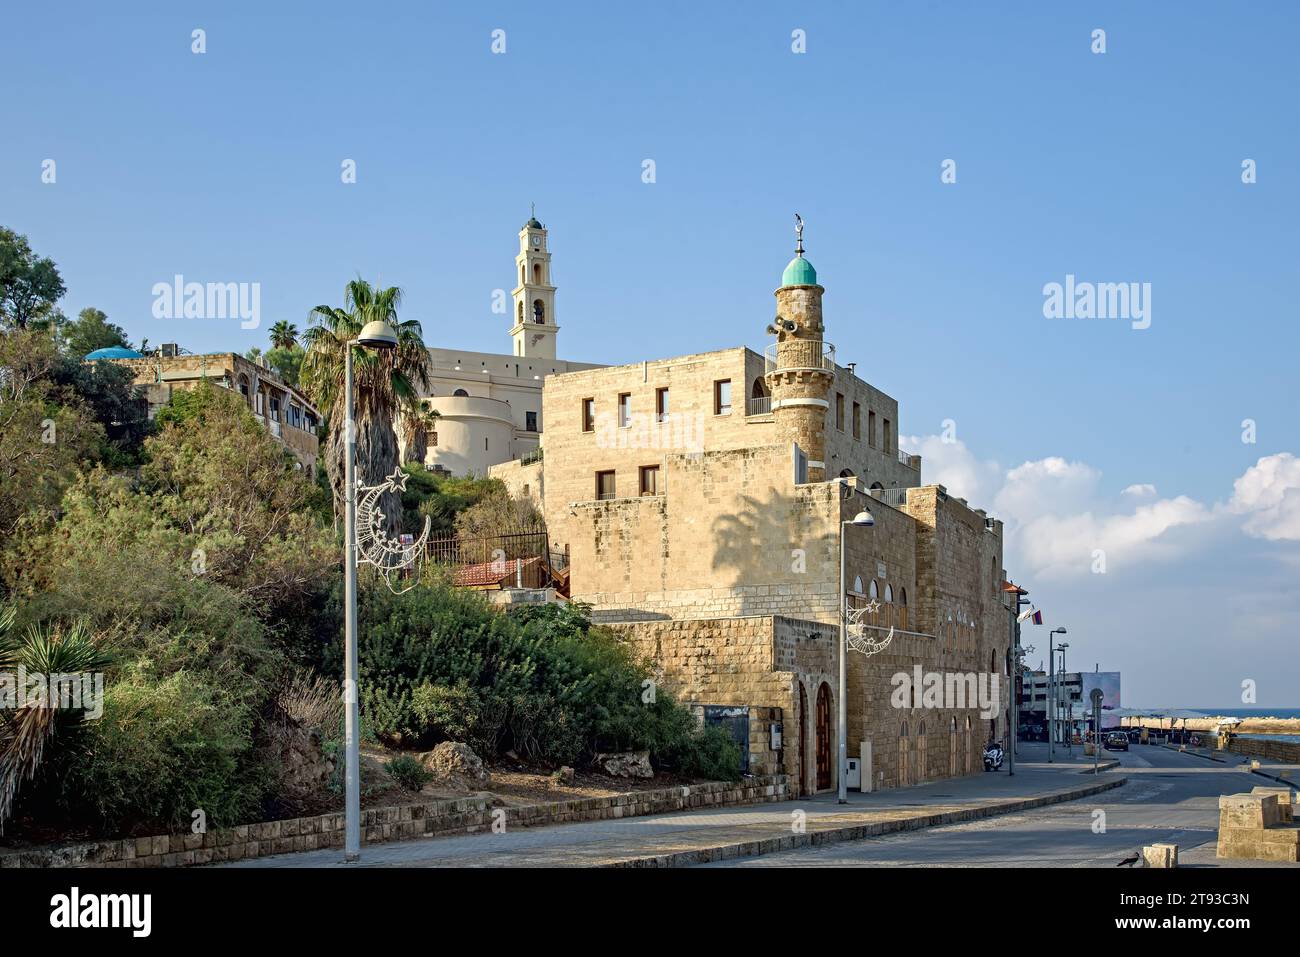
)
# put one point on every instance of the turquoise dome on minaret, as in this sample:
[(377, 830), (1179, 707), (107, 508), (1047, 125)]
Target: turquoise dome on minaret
[(800, 272)]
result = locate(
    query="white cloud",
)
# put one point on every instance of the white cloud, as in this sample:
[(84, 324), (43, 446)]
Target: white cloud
[(1141, 491), (955, 467), (1268, 494)]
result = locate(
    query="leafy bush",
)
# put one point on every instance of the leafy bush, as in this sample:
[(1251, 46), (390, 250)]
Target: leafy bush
[(409, 772), (440, 663)]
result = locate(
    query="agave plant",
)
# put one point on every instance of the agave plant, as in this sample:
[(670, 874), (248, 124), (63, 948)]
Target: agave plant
[(384, 382), (26, 732)]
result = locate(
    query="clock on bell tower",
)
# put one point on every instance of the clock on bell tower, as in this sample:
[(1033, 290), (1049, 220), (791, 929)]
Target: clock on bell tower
[(534, 326)]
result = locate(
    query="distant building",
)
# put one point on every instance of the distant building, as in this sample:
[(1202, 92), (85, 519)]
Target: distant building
[(489, 404), (1073, 698), (286, 412)]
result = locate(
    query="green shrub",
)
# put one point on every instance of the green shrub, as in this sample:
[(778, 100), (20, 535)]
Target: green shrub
[(161, 751), (409, 772), (440, 663)]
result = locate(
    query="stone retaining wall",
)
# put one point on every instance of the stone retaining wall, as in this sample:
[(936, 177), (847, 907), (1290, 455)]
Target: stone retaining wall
[(396, 823), (1284, 751)]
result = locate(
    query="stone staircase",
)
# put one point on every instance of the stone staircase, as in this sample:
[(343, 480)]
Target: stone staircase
[(1259, 826)]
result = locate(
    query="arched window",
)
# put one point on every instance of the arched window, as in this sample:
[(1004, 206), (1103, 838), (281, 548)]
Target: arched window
[(460, 392), (874, 590), (922, 763), (902, 608), (889, 593), (877, 487), (855, 600), (759, 390), (904, 775), (243, 385), (846, 473), (537, 274), (539, 311), (523, 274), (521, 310)]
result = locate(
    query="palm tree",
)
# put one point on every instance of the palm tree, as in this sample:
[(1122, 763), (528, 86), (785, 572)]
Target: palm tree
[(384, 381), (417, 423), (25, 732), (284, 335)]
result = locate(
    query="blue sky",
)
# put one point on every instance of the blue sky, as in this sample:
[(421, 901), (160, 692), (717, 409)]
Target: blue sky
[(1120, 167)]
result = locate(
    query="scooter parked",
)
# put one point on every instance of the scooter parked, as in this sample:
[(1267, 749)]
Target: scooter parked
[(993, 756)]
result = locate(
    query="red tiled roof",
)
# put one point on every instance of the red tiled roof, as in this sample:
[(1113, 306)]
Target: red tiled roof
[(488, 573)]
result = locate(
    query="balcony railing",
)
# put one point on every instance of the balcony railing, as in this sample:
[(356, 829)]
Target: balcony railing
[(800, 354), (760, 405), (906, 458)]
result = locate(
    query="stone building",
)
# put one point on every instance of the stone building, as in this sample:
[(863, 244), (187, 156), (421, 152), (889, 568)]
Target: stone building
[(286, 412), (703, 499), (489, 404)]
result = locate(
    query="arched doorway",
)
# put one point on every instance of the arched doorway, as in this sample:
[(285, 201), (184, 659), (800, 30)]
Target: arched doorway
[(904, 746), (922, 764), (824, 737), (803, 741), (969, 753), (952, 748)]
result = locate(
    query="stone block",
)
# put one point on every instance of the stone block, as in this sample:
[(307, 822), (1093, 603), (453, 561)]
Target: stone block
[(1160, 855)]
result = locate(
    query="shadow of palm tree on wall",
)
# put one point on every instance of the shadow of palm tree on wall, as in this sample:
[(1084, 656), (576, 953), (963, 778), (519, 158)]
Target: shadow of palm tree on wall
[(774, 540)]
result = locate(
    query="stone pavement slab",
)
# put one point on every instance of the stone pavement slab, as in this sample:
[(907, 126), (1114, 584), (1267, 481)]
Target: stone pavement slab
[(697, 836)]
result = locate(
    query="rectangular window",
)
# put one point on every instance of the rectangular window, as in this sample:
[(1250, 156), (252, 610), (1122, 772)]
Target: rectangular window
[(661, 404), (649, 480), (589, 415), (871, 429), (604, 485), (275, 409), (722, 397), (624, 409), (530, 421), (884, 437), (857, 421), (839, 411)]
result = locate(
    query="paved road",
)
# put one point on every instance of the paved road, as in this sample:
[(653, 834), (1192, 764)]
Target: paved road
[(1170, 797)]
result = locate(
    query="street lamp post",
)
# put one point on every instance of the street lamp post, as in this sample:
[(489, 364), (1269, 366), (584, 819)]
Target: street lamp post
[(1069, 705), (863, 519), (374, 335), (1050, 707)]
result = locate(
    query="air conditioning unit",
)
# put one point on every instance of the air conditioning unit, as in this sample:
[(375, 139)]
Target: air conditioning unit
[(170, 350)]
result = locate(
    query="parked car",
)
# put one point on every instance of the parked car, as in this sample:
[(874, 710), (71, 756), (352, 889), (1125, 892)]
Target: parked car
[(1116, 741)]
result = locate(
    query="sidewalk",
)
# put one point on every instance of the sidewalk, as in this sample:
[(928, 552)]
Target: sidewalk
[(1274, 771), (693, 837)]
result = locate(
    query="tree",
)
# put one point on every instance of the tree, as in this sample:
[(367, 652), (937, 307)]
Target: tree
[(91, 330), (254, 355), (284, 335), (384, 380), (30, 285), (26, 731), (287, 363), (417, 422)]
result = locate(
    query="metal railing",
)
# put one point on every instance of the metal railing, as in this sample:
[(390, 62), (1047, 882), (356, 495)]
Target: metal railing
[(794, 354), (905, 458), (890, 496), (760, 405), (495, 552)]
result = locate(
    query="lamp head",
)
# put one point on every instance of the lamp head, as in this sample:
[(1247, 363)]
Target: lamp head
[(377, 335), (864, 519)]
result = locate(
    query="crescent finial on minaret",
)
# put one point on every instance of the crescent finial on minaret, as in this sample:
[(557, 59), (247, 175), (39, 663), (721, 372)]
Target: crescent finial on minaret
[(798, 234)]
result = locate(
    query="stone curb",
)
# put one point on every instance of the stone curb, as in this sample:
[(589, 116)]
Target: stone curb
[(853, 832), (1263, 774)]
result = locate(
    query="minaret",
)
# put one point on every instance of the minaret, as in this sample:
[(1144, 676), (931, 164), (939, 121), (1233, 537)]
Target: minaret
[(534, 326), (801, 365)]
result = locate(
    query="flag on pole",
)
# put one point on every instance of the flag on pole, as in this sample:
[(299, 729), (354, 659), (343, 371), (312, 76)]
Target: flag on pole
[(1038, 617), (1026, 614)]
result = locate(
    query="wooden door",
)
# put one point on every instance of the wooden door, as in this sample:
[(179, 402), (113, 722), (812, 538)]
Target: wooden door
[(823, 737), (802, 786)]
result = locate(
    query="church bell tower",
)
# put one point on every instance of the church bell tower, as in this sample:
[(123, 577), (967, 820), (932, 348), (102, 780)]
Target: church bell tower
[(534, 326)]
